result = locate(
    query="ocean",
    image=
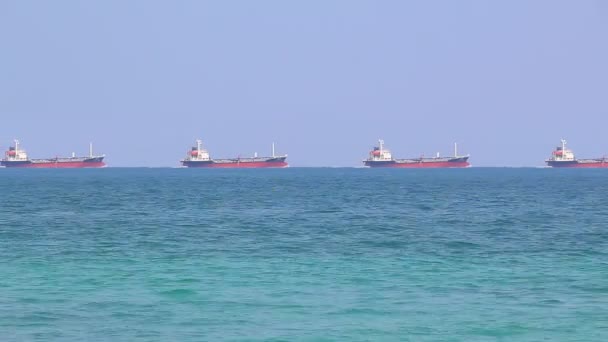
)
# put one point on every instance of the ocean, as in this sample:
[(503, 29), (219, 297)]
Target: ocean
[(304, 254)]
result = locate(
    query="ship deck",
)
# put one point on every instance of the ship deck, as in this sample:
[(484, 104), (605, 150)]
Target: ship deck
[(65, 159)]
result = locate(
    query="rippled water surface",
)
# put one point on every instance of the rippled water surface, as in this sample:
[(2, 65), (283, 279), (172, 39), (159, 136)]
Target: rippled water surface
[(304, 255)]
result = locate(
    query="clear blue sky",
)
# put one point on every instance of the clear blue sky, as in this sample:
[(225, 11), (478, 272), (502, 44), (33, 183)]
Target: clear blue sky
[(323, 79)]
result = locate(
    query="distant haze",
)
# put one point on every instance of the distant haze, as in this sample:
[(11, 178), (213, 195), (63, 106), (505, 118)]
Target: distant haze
[(323, 79)]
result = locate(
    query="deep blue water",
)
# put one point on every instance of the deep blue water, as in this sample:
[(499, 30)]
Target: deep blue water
[(479, 254)]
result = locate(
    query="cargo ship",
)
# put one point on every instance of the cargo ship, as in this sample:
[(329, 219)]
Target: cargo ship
[(381, 157), (563, 157), (17, 157), (199, 157)]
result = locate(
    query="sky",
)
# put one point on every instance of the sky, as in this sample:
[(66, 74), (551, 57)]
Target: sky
[(323, 79)]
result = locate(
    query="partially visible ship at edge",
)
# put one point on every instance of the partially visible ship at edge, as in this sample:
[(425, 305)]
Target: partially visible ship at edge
[(563, 157), (17, 157), (381, 157), (199, 157)]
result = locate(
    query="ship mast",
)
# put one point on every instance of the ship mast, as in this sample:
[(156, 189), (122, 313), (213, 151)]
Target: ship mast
[(563, 147), (273, 150), (199, 142), (90, 150), (16, 146), (381, 143), (455, 150)]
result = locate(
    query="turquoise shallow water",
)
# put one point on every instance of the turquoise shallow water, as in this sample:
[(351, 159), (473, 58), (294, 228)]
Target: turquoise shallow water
[(304, 255)]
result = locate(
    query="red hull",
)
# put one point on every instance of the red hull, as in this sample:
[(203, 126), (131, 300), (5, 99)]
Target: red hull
[(584, 165), (63, 165), (253, 165), (427, 165)]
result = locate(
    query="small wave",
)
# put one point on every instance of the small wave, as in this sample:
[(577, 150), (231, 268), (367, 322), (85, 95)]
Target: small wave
[(462, 244), (179, 293)]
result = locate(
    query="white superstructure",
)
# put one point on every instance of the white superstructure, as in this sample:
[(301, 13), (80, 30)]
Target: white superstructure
[(198, 153), (15, 153), (380, 153), (561, 153)]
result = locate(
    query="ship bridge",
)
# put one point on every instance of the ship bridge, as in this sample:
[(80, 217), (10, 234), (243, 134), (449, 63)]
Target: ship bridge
[(198, 153), (561, 153), (14, 153), (379, 153)]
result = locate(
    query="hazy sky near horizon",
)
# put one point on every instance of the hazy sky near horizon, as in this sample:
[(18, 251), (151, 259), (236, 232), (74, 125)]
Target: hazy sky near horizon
[(323, 79)]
